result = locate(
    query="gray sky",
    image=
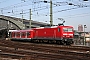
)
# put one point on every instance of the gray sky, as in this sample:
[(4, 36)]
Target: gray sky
[(74, 14)]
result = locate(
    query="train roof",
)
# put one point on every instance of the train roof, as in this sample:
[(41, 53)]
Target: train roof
[(12, 30), (21, 30), (53, 27)]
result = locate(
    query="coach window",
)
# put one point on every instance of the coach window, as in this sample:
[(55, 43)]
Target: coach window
[(28, 33), (13, 34), (18, 33), (58, 29), (23, 34)]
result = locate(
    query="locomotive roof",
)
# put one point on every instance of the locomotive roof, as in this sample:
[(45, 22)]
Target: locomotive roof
[(52, 27), (12, 30)]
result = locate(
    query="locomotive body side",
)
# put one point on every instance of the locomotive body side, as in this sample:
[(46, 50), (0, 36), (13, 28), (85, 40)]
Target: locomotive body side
[(47, 33), (56, 34)]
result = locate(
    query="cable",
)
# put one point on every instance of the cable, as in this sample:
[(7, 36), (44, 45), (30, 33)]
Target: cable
[(71, 9), (46, 14), (78, 15), (14, 5), (44, 7), (37, 9), (41, 8), (18, 5), (3, 1)]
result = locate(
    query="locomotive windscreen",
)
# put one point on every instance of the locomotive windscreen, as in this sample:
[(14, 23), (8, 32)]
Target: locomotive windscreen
[(67, 29)]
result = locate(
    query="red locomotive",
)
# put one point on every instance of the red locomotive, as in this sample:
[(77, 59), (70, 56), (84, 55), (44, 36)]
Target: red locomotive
[(56, 34)]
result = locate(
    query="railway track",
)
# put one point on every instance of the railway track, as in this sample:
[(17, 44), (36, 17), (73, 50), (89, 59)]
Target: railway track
[(44, 55), (45, 51), (30, 46), (11, 55)]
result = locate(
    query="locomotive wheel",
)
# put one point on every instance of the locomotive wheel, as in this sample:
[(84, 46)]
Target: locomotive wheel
[(67, 43), (64, 43), (40, 41), (58, 42), (49, 41), (32, 41)]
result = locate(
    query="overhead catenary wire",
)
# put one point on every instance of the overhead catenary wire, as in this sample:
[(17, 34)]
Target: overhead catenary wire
[(77, 15), (37, 8), (71, 9), (15, 5), (22, 5), (3, 1), (54, 12), (28, 9), (60, 11)]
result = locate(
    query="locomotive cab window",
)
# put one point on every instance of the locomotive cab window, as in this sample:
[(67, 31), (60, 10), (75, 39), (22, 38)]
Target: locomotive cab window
[(13, 34), (58, 29), (67, 29), (70, 30)]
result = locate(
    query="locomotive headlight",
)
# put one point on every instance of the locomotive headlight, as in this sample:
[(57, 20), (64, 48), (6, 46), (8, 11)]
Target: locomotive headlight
[(64, 34), (71, 34)]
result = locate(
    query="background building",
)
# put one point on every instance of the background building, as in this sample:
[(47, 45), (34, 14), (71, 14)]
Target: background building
[(80, 28)]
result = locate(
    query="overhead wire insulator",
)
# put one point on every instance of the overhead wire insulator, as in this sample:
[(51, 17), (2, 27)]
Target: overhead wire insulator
[(85, 0), (2, 11), (12, 11), (45, 1), (70, 4), (23, 0)]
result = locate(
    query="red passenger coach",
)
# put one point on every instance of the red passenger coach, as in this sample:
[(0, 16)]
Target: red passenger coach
[(22, 35)]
